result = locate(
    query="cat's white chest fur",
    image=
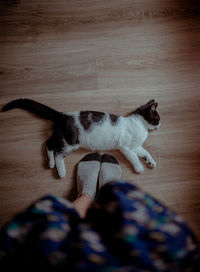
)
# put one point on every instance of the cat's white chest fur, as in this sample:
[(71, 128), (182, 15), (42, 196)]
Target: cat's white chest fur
[(129, 132), (103, 136), (135, 133)]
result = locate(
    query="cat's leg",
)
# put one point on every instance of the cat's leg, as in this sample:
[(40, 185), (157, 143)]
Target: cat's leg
[(60, 165), (55, 152), (59, 158), (145, 155), (133, 158), (50, 153)]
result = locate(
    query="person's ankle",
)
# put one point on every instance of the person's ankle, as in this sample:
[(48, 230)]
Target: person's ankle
[(86, 196), (82, 203)]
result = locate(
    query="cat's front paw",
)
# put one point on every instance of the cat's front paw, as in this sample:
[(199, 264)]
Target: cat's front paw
[(139, 169), (152, 164)]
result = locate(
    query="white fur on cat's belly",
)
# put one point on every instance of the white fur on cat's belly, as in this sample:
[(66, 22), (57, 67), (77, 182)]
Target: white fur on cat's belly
[(128, 135), (128, 132), (102, 137)]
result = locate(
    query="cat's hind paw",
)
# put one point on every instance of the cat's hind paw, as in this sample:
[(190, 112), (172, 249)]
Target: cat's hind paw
[(62, 174), (51, 164), (60, 165)]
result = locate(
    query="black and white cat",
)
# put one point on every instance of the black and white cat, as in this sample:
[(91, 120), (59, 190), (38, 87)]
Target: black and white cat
[(95, 131)]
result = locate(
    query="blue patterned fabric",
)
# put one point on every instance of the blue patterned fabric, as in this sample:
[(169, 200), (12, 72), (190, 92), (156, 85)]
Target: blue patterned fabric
[(124, 230)]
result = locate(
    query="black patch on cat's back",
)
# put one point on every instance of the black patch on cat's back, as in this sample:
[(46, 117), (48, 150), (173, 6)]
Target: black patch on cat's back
[(86, 118), (97, 116), (113, 118)]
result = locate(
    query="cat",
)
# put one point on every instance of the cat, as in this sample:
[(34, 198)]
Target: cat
[(95, 131)]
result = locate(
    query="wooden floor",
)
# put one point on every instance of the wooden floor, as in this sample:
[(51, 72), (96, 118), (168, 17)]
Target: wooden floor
[(109, 56)]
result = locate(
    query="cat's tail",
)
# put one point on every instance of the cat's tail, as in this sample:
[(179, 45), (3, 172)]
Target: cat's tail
[(35, 107)]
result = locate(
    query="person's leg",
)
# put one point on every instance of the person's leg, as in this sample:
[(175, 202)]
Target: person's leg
[(141, 231), (82, 203), (32, 239), (86, 178), (91, 167)]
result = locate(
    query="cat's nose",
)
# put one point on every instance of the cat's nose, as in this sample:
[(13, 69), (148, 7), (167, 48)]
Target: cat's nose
[(158, 126)]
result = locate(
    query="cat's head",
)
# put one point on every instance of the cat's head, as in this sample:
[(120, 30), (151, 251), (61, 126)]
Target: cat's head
[(150, 114)]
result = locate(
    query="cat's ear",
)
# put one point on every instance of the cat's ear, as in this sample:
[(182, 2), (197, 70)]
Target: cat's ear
[(154, 106), (151, 102), (147, 105)]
